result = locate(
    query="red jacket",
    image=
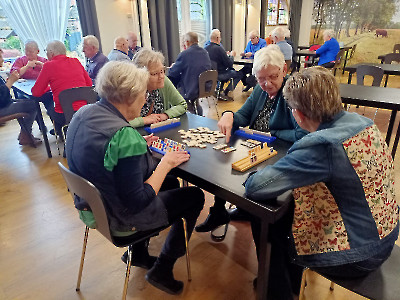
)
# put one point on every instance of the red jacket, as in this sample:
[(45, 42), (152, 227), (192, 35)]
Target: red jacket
[(61, 73)]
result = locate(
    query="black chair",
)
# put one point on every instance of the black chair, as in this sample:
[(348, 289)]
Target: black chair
[(67, 98), (207, 85), (396, 48), (220, 83), (381, 284), (389, 58), (82, 188), (338, 61)]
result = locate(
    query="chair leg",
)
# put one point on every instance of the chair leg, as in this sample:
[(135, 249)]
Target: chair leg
[(332, 286), (78, 283), (303, 283), (127, 273), (187, 250), (56, 135), (375, 114)]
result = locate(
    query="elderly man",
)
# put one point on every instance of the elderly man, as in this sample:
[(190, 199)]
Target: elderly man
[(120, 51), (95, 60), (223, 62), (132, 43), (61, 73), (185, 72), (29, 65), (265, 110), (278, 37), (255, 44)]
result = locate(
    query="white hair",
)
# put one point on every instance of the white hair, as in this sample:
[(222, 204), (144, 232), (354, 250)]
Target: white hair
[(147, 56), (254, 33), (191, 37), (287, 32), (31, 44), (92, 41), (329, 32), (120, 81), (56, 48), (214, 34), (278, 33), (268, 56)]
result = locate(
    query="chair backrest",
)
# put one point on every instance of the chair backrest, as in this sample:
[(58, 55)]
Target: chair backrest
[(84, 189), (69, 96), (375, 72), (339, 57), (207, 83), (353, 50), (396, 48), (389, 58)]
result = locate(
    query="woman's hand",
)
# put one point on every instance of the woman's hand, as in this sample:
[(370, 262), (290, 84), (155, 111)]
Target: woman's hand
[(225, 125), (14, 76), (174, 158), (151, 119), (163, 117), (150, 139)]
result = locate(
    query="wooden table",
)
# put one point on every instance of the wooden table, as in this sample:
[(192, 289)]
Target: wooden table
[(25, 88), (379, 97), (211, 170), (388, 69)]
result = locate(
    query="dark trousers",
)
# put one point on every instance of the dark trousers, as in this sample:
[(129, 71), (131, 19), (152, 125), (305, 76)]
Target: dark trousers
[(250, 80), (235, 75), (185, 202), (284, 276), (21, 106), (59, 121)]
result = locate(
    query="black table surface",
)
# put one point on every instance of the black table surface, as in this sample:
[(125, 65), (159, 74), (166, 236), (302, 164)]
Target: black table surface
[(305, 52), (238, 60), (212, 170), (391, 69)]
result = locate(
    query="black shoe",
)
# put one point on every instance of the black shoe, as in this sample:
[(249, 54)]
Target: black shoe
[(215, 218), (164, 280), (246, 88), (237, 214), (52, 132), (141, 261), (226, 92)]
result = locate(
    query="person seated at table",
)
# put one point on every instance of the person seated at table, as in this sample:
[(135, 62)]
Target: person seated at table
[(10, 107), (256, 43), (345, 217), (278, 37), (224, 62), (60, 73), (138, 194), (120, 51), (132, 44), (185, 72), (229, 53), (163, 99), (265, 110), (95, 59), (328, 51)]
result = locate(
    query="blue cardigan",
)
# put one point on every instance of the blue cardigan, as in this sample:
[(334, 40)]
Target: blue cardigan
[(328, 51)]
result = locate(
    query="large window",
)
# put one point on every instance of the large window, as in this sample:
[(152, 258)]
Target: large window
[(277, 12)]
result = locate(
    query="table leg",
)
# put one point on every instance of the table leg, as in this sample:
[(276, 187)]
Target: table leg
[(43, 128), (350, 76), (396, 140), (263, 262), (390, 126)]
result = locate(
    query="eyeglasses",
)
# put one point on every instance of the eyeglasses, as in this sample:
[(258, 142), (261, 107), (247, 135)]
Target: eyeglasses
[(161, 72)]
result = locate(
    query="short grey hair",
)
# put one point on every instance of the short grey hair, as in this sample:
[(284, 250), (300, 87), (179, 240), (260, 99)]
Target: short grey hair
[(214, 34), (147, 56), (56, 47), (191, 37), (120, 81), (92, 41), (31, 44), (255, 33), (279, 33), (329, 32), (268, 56), (287, 32)]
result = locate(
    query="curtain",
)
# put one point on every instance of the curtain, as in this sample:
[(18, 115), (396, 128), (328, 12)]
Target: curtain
[(208, 19), (40, 20), (222, 19), (186, 24), (88, 18), (294, 21), (164, 28)]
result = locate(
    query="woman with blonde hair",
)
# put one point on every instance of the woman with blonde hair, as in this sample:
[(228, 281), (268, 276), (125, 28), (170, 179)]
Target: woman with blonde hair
[(138, 193), (345, 216)]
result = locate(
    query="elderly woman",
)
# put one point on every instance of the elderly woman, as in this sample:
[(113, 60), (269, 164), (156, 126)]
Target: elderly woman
[(10, 107), (163, 100), (265, 110), (328, 51), (138, 195), (345, 217)]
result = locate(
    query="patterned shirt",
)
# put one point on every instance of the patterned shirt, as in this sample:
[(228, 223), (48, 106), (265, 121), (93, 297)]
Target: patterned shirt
[(154, 104), (262, 121)]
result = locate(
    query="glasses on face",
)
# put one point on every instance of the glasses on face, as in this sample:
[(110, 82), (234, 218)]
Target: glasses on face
[(160, 73), (267, 79)]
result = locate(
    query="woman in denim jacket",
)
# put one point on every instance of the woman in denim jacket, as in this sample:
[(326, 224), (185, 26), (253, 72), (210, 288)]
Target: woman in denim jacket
[(345, 219)]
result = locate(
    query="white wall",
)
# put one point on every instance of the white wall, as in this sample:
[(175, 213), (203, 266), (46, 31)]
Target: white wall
[(238, 39)]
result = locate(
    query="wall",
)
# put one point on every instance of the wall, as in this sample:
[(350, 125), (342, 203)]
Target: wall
[(305, 22)]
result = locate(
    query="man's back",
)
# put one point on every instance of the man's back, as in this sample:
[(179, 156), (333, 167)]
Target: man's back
[(187, 69), (217, 54)]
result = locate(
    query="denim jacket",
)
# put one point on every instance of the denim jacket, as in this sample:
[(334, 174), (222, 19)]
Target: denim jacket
[(343, 181)]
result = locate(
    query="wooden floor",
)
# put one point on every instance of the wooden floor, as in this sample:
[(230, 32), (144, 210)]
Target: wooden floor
[(41, 238)]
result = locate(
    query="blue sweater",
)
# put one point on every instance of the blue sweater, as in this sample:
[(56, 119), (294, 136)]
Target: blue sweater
[(328, 51), (254, 48)]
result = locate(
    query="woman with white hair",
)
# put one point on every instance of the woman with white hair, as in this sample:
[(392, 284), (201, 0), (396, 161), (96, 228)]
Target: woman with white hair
[(138, 194), (265, 110), (328, 51), (163, 100)]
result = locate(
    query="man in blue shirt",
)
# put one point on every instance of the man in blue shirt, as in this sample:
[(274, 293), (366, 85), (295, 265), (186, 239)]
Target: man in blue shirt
[(255, 44), (120, 51), (95, 60), (278, 36)]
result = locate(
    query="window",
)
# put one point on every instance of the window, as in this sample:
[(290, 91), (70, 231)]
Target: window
[(277, 12)]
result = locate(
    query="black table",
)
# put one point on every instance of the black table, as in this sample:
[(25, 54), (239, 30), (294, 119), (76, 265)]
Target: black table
[(212, 171), (379, 97), (238, 60), (304, 52), (25, 88), (388, 69)]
